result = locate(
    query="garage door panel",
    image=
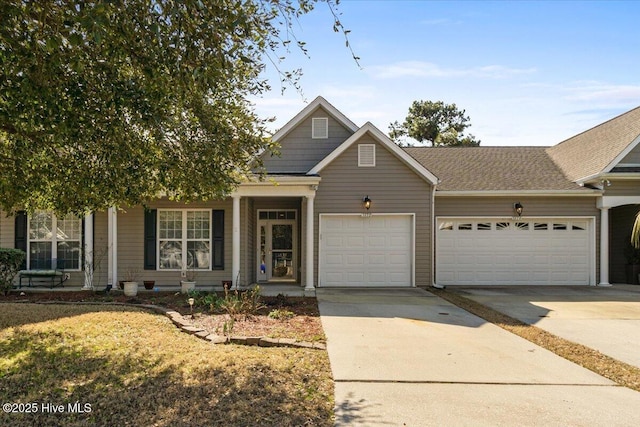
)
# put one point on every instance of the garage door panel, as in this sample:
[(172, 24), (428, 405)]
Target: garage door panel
[(381, 253), (376, 241), (541, 251)]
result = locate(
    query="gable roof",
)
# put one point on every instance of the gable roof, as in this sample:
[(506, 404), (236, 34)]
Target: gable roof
[(598, 149), (384, 140), (306, 111), (493, 169)]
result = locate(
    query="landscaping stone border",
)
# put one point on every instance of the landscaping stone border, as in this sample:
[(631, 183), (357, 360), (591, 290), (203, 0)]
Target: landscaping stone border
[(185, 326)]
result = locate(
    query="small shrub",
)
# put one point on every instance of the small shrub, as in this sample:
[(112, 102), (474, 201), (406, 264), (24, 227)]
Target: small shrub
[(204, 299), (10, 262), (281, 314), (245, 303)]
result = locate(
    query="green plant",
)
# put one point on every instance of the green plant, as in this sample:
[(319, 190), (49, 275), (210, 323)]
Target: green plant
[(281, 314), (227, 327), (10, 262), (245, 303), (635, 232), (204, 299)]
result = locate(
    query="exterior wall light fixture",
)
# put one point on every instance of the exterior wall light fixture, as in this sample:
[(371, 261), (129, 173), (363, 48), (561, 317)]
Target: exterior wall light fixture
[(366, 202), (518, 208)]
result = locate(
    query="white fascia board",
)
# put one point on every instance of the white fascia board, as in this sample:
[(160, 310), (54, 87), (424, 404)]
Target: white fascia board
[(617, 176), (275, 186), (385, 141), (529, 193), (302, 115), (622, 155)]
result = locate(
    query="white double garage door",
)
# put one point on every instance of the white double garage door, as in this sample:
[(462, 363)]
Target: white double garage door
[(378, 251), (537, 251)]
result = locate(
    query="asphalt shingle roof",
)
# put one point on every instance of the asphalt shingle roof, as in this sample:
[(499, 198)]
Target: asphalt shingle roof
[(590, 152), (493, 168)]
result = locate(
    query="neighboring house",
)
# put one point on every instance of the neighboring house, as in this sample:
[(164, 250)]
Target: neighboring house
[(343, 205)]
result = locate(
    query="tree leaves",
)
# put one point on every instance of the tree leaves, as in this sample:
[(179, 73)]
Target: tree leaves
[(115, 103), (435, 123)]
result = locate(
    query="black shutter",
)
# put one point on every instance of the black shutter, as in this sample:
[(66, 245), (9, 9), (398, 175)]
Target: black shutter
[(150, 222), (21, 235), (217, 241)]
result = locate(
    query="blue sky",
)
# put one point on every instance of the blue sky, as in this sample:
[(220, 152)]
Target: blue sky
[(526, 72)]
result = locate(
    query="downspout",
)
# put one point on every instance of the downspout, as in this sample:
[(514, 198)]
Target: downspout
[(433, 238)]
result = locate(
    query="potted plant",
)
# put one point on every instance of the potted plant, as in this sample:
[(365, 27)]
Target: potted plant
[(149, 284), (131, 282), (189, 282)]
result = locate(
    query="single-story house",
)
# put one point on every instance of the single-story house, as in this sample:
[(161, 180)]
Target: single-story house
[(344, 206)]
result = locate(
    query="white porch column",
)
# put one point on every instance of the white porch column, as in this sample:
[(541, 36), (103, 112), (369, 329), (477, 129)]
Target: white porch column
[(112, 242), (309, 285), (604, 246), (235, 242), (88, 252)]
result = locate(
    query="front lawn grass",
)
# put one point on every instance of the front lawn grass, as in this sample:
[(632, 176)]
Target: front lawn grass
[(135, 368)]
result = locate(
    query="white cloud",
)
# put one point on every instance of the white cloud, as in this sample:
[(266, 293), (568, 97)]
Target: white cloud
[(429, 69), (603, 92)]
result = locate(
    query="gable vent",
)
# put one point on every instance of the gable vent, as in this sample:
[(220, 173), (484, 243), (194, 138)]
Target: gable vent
[(320, 128), (366, 155)]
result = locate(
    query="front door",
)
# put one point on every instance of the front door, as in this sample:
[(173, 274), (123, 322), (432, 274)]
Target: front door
[(277, 258)]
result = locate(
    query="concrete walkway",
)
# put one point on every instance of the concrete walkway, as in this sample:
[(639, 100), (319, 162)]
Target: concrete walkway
[(407, 357), (606, 319)]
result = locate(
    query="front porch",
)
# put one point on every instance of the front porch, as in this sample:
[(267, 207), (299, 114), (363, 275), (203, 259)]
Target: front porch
[(262, 234)]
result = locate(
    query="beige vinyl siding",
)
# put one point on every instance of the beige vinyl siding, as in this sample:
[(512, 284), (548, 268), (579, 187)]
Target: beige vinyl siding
[(633, 157), (503, 206), (533, 206), (131, 244), (7, 235), (392, 188), (76, 278), (622, 188), (100, 250), (299, 152), (248, 273)]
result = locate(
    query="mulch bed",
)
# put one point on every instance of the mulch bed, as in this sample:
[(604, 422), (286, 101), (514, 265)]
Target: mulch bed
[(301, 323)]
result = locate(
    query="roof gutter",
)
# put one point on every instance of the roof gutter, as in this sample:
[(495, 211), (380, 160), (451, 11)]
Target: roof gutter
[(531, 193)]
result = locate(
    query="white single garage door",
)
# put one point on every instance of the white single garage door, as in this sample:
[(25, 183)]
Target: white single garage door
[(366, 251), (543, 251)]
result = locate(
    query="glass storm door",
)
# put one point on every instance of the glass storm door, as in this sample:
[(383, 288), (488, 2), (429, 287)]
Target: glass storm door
[(276, 250)]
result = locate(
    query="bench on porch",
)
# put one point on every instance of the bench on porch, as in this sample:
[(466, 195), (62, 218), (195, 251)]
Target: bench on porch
[(44, 276)]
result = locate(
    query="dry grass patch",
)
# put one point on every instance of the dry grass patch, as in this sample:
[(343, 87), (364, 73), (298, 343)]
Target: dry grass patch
[(303, 324), (135, 368), (619, 372)]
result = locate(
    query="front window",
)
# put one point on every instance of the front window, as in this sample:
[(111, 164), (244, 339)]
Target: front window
[(52, 238), (184, 238)]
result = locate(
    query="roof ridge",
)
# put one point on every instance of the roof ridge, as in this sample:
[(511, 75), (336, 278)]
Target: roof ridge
[(597, 126)]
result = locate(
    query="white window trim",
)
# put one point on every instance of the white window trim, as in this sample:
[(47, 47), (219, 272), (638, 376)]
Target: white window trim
[(319, 128), (184, 239), (54, 242), (362, 164)]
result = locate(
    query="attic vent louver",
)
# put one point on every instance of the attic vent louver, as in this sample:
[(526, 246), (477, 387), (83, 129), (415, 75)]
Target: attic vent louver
[(366, 155), (320, 128)]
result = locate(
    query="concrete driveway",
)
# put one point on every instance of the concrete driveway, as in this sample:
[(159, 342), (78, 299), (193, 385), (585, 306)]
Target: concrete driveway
[(606, 319), (407, 357)]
